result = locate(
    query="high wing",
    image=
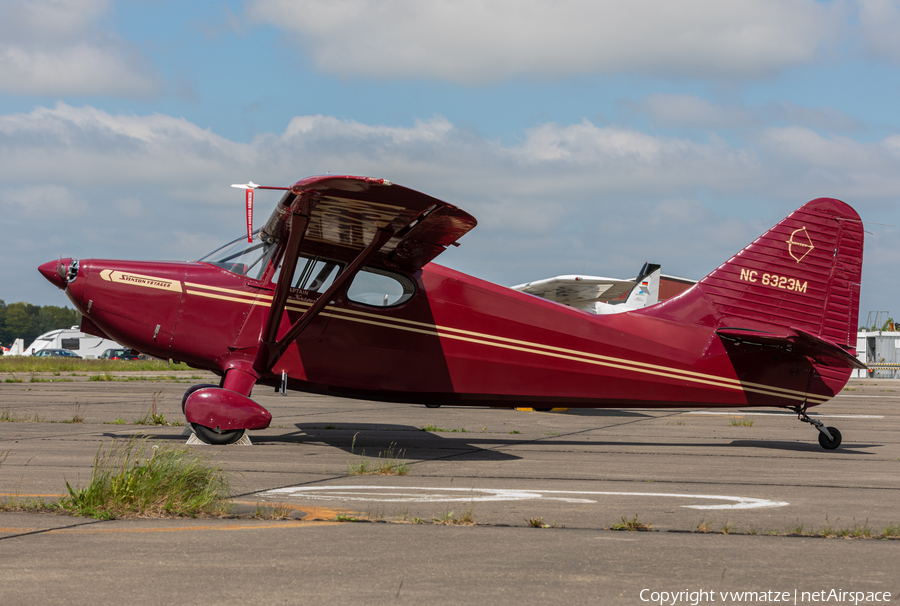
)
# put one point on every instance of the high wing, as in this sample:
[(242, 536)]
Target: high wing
[(345, 212), (578, 291), (356, 220)]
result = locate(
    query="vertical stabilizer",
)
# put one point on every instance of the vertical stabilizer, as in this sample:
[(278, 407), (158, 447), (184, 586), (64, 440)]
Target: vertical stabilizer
[(646, 288), (802, 275)]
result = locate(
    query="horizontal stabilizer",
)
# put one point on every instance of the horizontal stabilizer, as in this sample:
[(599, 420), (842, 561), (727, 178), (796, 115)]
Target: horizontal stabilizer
[(795, 339)]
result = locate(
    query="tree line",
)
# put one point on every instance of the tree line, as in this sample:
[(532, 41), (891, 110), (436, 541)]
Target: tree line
[(26, 321)]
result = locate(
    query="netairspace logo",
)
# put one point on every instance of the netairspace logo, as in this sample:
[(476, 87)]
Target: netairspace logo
[(835, 596)]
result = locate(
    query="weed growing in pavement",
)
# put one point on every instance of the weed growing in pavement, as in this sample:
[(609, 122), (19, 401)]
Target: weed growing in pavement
[(632, 524), (8, 416), (857, 531), (153, 416), (740, 422), (130, 478), (271, 512), (704, 526), (432, 427), (537, 522), (466, 518), (78, 413), (388, 463)]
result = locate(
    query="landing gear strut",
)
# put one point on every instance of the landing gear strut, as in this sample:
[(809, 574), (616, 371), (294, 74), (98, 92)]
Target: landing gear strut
[(829, 437)]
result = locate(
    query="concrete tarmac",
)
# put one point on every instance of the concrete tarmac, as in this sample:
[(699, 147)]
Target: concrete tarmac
[(745, 478)]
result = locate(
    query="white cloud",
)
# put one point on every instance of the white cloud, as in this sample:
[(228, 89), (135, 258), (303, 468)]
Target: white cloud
[(566, 198), (689, 111), (474, 42), (879, 21), (55, 47)]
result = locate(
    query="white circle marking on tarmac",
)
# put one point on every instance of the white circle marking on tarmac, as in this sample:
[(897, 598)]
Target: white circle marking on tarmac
[(421, 494)]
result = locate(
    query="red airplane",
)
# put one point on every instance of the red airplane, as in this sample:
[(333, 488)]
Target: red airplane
[(337, 295)]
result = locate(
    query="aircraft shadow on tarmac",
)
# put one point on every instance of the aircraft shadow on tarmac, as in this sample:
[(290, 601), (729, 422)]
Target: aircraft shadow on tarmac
[(604, 412), (802, 446), (372, 439)]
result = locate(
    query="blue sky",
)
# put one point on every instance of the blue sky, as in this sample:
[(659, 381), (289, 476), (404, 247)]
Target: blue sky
[(586, 137)]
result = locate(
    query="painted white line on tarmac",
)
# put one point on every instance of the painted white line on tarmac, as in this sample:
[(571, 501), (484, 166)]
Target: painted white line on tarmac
[(420, 494), (874, 395), (781, 414)]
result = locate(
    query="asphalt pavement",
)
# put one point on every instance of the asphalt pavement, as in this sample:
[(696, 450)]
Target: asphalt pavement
[(729, 499)]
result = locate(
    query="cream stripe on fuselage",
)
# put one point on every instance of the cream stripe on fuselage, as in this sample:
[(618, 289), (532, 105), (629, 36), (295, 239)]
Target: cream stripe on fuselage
[(458, 334)]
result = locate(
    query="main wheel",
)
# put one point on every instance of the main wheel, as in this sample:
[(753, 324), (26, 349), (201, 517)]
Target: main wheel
[(216, 436), (827, 444), (432, 406)]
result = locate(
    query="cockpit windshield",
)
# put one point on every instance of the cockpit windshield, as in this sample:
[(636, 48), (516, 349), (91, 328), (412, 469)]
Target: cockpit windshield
[(244, 258)]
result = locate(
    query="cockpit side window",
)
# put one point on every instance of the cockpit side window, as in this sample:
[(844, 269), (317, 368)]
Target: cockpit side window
[(243, 258)]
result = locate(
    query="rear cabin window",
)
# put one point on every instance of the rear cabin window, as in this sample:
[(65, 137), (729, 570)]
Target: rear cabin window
[(380, 288)]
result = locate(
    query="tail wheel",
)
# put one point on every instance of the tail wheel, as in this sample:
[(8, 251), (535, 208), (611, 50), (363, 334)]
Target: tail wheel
[(827, 444), (217, 437)]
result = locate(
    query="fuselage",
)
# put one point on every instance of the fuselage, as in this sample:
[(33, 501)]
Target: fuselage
[(456, 340)]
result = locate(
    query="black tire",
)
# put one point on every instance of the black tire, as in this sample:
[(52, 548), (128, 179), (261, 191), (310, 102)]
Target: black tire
[(827, 444), (191, 390), (216, 437), (542, 409), (432, 406)]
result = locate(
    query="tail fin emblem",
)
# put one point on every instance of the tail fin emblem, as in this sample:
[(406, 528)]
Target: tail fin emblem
[(799, 244)]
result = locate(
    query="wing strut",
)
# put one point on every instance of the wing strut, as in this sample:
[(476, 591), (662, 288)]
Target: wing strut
[(270, 350)]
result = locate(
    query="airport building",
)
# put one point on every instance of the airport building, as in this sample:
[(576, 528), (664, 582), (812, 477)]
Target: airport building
[(880, 351)]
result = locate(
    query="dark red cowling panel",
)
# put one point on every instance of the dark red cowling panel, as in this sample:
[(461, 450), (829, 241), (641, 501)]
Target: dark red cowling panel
[(225, 410)]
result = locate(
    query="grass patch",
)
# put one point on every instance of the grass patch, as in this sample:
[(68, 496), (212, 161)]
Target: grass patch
[(857, 531), (633, 524), (432, 427), (466, 518), (153, 416), (101, 377), (28, 364), (8, 416), (30, 505), (388, 463), (740, 422), (273, 512), (132, 479)]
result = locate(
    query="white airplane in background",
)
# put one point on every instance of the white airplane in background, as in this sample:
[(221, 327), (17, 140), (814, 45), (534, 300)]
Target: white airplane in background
[(585, 292)]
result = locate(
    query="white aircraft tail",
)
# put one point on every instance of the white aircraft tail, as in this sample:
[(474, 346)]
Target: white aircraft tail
[(17, 349), (645, 292)]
